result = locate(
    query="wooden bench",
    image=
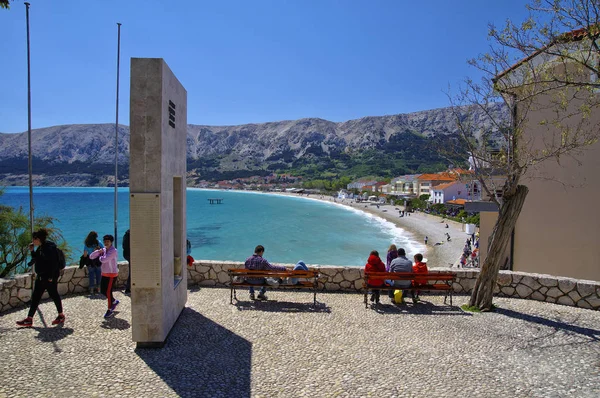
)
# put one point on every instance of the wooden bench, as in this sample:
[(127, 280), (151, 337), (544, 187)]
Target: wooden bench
[(238, 279), (435, 281)]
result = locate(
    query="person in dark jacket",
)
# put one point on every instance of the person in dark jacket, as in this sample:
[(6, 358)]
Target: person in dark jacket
[(92, 243), (126, 255), (47, 272)]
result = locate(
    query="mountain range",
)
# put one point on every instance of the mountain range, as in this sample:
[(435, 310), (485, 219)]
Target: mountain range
[(83, 154)]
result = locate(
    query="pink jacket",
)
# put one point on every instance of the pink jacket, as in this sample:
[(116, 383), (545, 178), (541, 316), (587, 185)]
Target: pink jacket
[(108, 258)]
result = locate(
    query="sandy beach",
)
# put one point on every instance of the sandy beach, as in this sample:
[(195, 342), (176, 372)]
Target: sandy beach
[(418, 225)]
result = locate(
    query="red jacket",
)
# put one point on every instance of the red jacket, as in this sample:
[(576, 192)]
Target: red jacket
[(420, 268), (374, 264)]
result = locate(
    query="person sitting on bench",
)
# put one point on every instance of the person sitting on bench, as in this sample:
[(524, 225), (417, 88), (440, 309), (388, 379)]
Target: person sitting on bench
[(257, 262), (400, 264), (300, 266), (374, 264), (419, 268)]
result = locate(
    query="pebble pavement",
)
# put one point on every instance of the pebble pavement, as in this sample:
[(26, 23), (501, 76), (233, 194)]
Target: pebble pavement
[(285, 348)]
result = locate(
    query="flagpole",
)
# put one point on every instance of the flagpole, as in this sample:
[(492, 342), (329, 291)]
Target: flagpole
[(117, 129), (30, 163)]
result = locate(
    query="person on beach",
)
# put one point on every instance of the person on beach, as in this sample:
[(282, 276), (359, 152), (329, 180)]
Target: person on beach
[(418, 268), (400, 264), (47, 271), (90, 244), (110, 271), (374, 264), (447, 237), (391, 254), (426, 240), (256, 261)]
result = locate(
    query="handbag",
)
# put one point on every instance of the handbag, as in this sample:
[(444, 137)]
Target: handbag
[(398, 296)]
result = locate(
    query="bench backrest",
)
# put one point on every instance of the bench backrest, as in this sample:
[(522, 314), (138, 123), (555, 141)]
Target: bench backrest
[(402, 276), (273, 273)]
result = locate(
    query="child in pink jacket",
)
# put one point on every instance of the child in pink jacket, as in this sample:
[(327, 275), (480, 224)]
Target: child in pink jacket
[(110, 271)]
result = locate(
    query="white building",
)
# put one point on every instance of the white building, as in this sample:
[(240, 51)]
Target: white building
[(449, 191)]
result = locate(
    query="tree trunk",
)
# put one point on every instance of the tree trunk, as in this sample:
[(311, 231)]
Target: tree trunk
[(483, 291)]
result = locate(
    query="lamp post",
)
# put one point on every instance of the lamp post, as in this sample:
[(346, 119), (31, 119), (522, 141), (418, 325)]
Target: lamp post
[(30, 163), (117, 130)]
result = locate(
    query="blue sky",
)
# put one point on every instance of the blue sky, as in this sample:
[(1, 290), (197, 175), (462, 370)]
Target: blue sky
[(243, 61)]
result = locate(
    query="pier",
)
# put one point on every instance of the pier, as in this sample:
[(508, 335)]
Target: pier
[(217, 201)]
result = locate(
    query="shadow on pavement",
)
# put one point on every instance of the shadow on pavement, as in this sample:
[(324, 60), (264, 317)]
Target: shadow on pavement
[(202, 358), (52, 334), (566, 327), (115, 323), (421, 308), (281, 306)]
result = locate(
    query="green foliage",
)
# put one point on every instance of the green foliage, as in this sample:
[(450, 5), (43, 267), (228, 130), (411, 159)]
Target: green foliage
[(474, 308), (4, 4), (424, 197), (418, 203), (327, 185), (15, 236), (474, 219), (465, 307)]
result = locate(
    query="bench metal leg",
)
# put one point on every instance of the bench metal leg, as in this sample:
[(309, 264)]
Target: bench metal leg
[(366, 304), (231, 295)]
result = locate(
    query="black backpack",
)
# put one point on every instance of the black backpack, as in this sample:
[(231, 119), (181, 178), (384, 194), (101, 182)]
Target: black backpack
[(62, 263), (125, 244)]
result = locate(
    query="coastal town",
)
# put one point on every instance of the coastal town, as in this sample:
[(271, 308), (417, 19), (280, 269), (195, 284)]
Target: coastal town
[(312, 200)]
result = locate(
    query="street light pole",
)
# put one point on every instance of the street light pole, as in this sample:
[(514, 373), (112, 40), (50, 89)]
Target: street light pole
[(30, 163), (117, 130)]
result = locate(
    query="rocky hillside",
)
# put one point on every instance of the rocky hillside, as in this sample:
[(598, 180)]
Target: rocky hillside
[(84, 154)]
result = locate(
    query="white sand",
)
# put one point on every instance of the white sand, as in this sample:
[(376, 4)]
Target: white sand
[(418, 225)]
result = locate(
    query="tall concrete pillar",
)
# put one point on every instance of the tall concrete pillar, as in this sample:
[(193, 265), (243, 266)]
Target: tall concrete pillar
[(157, 200)]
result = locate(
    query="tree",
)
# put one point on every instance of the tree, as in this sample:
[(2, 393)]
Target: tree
[(546, 65), (15, 236), (4, 4)]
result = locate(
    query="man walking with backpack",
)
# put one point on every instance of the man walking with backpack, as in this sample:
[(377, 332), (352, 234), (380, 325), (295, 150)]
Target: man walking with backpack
[(47, 268), (127, 255)]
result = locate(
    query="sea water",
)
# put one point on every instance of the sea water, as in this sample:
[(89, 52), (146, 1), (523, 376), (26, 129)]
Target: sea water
[(290, 228)]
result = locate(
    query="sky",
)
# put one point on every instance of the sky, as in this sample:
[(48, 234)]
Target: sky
[(243, 61)]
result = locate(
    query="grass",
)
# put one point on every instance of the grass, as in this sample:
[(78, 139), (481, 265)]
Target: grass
[(466, 307)]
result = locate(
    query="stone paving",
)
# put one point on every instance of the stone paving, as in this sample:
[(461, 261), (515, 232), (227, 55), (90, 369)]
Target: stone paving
[(284, 348)]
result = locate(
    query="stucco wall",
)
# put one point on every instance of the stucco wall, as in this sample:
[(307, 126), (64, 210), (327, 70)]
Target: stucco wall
[(16, 292), (558, 229)]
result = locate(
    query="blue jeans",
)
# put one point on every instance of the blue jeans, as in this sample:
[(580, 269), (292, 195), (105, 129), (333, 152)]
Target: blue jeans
[(95, 275), (263, 289), (391, 291), (298, 267)]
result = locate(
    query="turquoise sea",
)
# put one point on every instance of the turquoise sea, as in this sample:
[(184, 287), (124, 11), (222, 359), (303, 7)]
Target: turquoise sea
[(291, 228)]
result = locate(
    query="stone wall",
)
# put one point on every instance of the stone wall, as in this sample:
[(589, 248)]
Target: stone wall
[(16, 292), (566, 291)]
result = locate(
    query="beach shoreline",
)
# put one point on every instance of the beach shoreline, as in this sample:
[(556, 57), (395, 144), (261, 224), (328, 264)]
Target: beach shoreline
[(439, 252)]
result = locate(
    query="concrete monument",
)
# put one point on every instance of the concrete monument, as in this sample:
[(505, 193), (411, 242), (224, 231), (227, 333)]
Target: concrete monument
[(157, 200)]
